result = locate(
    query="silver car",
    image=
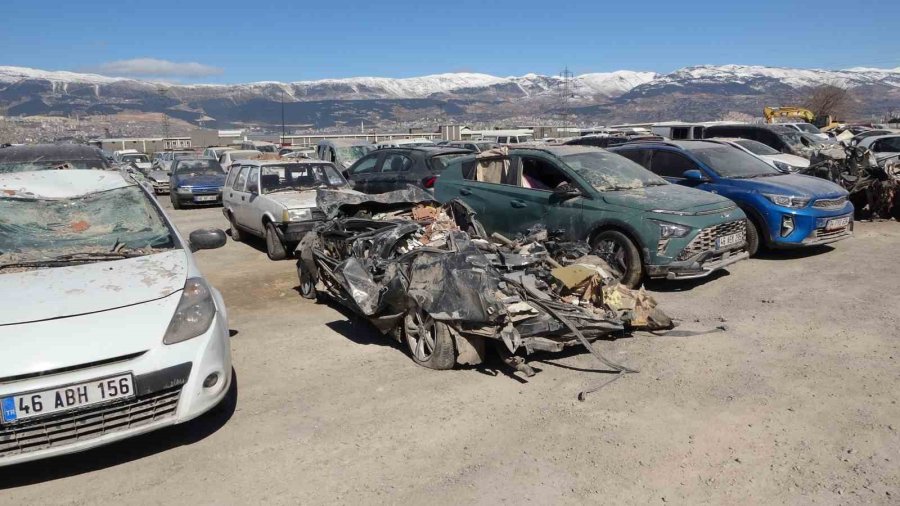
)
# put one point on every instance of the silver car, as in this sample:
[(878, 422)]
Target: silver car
[(276, 200)]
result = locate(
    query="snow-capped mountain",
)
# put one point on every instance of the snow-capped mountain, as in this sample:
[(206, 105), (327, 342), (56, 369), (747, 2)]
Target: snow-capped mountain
[(691, 93)]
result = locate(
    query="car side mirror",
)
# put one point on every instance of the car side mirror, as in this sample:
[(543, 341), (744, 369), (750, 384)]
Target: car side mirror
[(206, 238), (565, 191), (694, 175)]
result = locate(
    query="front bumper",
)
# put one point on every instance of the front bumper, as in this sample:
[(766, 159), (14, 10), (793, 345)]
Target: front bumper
[(160, 187), (293, 232), (810, 229), (698, 267), (169, 390), (191, 199)]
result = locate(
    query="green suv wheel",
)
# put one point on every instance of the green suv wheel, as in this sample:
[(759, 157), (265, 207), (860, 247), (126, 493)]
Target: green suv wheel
[(621, 254)]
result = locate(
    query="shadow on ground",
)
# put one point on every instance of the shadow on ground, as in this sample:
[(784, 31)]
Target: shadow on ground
[(124, 451)]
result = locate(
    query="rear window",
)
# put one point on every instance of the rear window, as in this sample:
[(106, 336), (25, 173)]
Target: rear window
[(757, 148), (440, 162)]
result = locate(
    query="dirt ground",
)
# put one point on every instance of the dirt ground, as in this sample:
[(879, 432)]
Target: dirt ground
[(780, 386)]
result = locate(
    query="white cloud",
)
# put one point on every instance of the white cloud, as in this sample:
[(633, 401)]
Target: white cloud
[(153, 67)]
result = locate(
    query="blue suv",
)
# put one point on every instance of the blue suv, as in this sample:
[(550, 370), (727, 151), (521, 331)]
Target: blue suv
[(784, 210)]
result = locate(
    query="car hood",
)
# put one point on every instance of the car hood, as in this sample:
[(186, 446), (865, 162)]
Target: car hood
[(64, 292), (667, 197), (794, 184), (158, 175), (796, 161), (201, 180), (143, 165), (294, 200)]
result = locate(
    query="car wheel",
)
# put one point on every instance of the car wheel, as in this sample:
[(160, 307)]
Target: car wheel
[(752, 238), (621, 254), (307, 283), (176, 204), (236, 234), (430, 342), (274, 246)]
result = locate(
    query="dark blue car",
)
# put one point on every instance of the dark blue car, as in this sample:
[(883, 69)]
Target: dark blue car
[(784, 210), (196, 181)]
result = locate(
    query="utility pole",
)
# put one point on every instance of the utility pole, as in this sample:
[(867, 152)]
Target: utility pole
[(165, 117), (565, 95), (282, 117)]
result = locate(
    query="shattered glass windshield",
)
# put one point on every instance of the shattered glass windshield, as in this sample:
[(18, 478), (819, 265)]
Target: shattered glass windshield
[(277, 178), (350, 154), (608, 171), (106, 225), (729, 162), (199, 167)]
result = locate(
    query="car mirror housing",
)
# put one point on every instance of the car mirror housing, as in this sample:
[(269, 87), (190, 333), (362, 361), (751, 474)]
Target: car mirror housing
[(206, 238), (694, 175), (566, 191)]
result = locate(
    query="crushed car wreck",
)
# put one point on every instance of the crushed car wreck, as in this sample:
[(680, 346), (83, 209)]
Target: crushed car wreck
[(427, 275)]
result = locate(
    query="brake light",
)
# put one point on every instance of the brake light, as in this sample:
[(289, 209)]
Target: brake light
[(428, 182)]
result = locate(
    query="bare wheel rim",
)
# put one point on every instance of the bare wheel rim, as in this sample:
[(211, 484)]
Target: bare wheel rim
[(420, 334), (614, 254)]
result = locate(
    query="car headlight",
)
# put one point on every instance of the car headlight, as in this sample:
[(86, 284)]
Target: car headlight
[(194, 313), (304, 214), (184, 189), (787, 200), (668, 230), (784, 167)]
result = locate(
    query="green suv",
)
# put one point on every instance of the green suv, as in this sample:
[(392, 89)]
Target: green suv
[(635, 220)]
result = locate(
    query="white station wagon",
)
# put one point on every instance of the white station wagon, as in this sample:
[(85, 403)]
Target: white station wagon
[(276, 200), (107, 328)]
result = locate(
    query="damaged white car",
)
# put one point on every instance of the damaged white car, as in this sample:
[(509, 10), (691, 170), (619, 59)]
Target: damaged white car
[(107, 327), (276, 200)]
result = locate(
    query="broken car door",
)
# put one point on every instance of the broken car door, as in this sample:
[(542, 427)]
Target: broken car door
[(542, 198)]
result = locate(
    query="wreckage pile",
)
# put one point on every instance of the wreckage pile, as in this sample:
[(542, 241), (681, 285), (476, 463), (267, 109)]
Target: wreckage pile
[(429, 276), (874, 185)]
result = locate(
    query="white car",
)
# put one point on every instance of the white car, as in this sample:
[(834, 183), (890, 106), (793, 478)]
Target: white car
[(884, 147), (228, 158), (276, 200), (784, 162), (107, 327), (807, 128)]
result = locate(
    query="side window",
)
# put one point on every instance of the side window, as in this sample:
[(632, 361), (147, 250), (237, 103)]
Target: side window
[(240, 180), (502, 140), (366, 165), (253, 180), (539, 174), (493, 170), (670, 164), (395, 162), (638, 156), (679, 133), (230, 179), (889, 145)]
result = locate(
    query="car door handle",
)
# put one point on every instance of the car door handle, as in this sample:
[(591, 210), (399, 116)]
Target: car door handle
[(243, 197), (518, 204), (465, 191)]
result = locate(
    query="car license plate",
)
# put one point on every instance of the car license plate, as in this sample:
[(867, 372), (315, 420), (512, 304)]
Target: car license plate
[(837, 223), (729, 240), (205, 198), (46, 402)]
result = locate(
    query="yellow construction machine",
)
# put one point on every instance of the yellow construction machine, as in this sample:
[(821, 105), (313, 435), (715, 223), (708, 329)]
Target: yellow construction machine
[(806, 115)]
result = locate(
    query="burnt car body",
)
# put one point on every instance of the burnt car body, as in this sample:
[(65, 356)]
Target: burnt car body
[(426, 275)]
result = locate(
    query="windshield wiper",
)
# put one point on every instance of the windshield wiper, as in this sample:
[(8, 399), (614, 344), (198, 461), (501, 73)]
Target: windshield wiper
[(84, 257)]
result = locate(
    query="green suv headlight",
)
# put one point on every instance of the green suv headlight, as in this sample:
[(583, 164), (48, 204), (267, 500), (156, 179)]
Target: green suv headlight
[(668, 230)]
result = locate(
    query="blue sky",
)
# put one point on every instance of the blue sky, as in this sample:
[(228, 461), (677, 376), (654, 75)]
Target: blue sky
[(226, 42)]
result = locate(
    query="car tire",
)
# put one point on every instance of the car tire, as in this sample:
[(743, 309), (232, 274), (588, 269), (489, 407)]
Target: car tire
[(274, 246), (752, 238), (620, 252), (175, 203), (307, 283), (434, 349), (236, 234)]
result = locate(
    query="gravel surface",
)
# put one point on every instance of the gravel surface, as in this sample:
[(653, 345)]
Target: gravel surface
[(779, 386)]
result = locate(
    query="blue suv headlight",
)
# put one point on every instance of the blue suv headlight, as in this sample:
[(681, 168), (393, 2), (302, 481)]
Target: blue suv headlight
[(787, 200)]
